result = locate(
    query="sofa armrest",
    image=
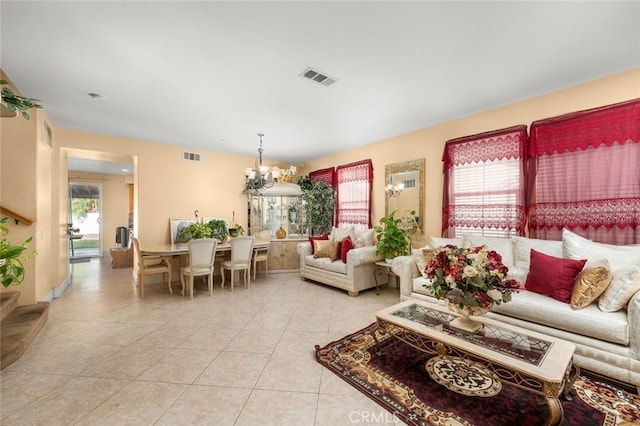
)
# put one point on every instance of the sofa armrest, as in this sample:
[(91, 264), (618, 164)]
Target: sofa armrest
[(633, 315), (304, 248), (363, 256), (406, 270)]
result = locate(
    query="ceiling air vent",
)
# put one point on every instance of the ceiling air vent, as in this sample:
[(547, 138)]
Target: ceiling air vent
[(318, 77), (190, 156)]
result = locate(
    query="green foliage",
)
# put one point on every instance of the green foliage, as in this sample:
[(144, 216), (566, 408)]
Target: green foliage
[(194, 231), (392, 240), (218, 229), (16, 102), (319, 199), (238, 231), (11, 267), (81, 206)]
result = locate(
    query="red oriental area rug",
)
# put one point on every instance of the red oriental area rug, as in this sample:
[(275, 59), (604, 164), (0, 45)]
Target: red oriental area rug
[(421, 389)]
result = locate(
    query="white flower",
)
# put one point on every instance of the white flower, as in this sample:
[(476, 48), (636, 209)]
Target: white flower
[(494, 294), (469, 271), (450, 280)]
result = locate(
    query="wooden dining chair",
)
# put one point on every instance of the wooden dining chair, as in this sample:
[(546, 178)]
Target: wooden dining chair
[(261, 254), (241, 252), (202, 254), (149, 265)]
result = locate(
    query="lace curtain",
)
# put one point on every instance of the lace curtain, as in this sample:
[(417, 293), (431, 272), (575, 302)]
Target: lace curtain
[(353, 199), (484, 189), (585, 174)]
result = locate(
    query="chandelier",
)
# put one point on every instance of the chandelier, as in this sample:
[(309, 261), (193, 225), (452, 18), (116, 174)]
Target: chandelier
[(393, 190), (260, 176)]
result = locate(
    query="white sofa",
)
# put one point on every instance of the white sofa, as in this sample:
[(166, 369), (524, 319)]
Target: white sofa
[(607, 343), (356, 274)]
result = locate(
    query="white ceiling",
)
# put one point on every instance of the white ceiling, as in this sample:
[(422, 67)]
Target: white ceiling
[(213, 74)]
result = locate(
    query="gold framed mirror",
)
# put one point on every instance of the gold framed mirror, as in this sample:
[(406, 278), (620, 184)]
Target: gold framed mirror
[(404, 189)]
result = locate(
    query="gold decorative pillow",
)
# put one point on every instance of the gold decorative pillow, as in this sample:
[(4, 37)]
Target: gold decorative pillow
[(422, 257), (590, 284), (326, 248)]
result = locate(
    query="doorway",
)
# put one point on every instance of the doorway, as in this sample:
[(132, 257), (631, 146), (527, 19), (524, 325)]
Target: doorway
[(85, 212)]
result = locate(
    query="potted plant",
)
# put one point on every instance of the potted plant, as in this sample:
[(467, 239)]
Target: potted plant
[(319, 199), (15, 103), (392, 239), (218, 228), (11, 267), (195, 231)]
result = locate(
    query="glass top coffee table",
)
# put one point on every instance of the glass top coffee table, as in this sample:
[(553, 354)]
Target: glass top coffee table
[(497, 353)]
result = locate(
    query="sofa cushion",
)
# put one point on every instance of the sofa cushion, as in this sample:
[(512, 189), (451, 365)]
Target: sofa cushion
[(336, 266), (590, 284), (590, 321), (314, 238), (623, 286), (522, 249), (575, 246), (422, 285), (624, 261), (502, 246), (315, 262), (441, 242), (552, 275), (364, 238), (347, 245), (422, 256), (339, 234), (327, 248)]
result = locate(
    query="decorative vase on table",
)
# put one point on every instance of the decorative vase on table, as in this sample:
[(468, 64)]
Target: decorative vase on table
[(464, 322), (470, 280), (281, 233)]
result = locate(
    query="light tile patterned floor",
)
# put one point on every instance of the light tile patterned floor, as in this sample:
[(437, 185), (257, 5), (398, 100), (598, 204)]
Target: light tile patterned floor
[(106, 357)]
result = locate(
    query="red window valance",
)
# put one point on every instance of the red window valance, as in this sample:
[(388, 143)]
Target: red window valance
[(327, 175), (590, 128), (503, 144)]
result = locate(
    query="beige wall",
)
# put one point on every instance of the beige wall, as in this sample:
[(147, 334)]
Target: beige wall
[(169, 186), (429, 142), (34, 179)]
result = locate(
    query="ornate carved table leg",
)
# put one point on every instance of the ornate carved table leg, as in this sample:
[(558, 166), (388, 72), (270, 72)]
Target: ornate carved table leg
[(379, 328), (556, 415)]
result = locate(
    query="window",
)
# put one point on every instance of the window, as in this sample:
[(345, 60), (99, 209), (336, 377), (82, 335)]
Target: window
[(353, 203), (585, 176), (484, 191)]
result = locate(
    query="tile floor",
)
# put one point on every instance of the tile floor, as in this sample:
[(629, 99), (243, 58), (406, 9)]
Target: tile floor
[(242, 358)]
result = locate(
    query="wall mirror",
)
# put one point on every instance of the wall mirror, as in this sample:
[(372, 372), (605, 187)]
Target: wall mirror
[(404, 189)]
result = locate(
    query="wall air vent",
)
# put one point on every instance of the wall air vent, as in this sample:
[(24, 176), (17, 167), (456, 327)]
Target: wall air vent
[(190, 156), (318, 77)]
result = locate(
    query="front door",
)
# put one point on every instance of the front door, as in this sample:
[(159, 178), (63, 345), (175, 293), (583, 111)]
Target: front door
[(85, 210)]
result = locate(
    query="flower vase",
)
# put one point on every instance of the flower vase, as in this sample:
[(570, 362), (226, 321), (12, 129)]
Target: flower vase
[(464, 321)]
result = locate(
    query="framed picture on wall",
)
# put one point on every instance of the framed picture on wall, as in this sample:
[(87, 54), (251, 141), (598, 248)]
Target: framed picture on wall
[(176, 224)]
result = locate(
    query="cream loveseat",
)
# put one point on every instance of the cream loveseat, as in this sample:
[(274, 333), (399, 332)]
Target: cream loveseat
[(607, 343), (354, 275)]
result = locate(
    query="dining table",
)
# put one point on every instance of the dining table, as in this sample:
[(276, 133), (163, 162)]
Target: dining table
[(181, 249)]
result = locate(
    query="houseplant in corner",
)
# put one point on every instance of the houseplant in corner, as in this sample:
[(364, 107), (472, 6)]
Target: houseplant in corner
[(392, 239), (319, 201), (11, 267)]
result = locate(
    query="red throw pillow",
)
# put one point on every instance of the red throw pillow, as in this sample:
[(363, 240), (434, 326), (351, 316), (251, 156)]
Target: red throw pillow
[(317, 237), (553, 276), (347, 245)]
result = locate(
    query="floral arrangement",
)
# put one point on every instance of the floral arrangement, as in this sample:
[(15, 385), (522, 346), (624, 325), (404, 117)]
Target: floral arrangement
[(286, 175), (474, 277)]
